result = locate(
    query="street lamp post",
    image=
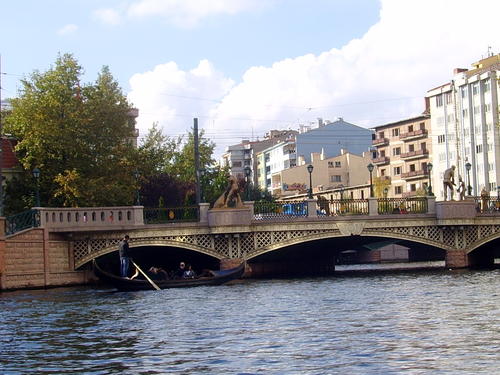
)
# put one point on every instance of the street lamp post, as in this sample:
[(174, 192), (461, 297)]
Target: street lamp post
[(370, 169), (386, 190), (137, 196), (429, 169), (310, 170), (36, 175), (248, 172), (467, 168)]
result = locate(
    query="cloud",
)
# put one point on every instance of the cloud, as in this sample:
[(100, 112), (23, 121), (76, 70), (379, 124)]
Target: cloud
[(381, 77), (108, 16), (67, 29), (180, 13), (173, 97), (187, 13)]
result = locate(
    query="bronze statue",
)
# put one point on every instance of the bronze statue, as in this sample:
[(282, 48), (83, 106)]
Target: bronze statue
[(461, 189), (231, 194), (449, 182)]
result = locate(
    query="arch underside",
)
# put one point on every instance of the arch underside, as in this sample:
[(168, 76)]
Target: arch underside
[(252, 244)]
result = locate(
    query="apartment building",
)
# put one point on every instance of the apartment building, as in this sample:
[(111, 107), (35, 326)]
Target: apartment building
[(402, 152), (465, 127), (332, 137), (248, 154), (341, 172)]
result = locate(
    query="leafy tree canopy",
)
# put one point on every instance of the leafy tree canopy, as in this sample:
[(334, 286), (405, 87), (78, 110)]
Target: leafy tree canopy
[(77, 134)]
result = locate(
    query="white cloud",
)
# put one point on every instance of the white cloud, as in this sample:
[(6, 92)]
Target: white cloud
[(381, 77), (172, 97), (108, 16), (187, 13), (67, 29)]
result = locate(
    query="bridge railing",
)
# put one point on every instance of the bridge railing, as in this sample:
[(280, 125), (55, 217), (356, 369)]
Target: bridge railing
[(414, 205), (280, 210), (24, 220), (171, 214), (487, 205), (342, 207), (87, 217)]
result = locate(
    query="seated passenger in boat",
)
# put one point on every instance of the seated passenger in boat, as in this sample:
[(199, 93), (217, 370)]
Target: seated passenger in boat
[(179, 273), (157, 273), (189, 273)]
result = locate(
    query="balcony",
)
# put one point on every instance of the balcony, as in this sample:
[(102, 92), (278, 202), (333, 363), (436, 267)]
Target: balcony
[(380, 142), (414, 154), (413, 175), (410, 136), (381, 160)]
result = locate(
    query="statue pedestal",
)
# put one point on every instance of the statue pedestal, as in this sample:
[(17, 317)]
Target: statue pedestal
[(229, 216), (456, 212)]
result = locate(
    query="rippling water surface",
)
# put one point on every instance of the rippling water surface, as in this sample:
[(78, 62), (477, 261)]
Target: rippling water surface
[(414, 323)]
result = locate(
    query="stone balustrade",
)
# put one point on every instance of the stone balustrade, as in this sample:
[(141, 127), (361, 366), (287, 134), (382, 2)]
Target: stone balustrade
[(87, 218)]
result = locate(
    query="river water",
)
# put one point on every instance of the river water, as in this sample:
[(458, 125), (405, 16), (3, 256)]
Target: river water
[(436, 322)]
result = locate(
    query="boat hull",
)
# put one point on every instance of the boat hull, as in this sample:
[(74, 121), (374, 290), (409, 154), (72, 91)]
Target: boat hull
[(121, 283)]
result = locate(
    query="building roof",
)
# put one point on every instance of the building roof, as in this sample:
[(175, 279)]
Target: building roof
[(9, 158), (404, 121)]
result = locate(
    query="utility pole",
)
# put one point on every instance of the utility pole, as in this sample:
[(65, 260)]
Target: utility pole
[(197, 161)]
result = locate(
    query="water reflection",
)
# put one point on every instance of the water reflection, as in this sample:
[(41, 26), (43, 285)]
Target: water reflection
[(421, 323)]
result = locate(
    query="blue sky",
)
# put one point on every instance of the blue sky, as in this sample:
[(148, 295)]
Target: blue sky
[(244, 67)]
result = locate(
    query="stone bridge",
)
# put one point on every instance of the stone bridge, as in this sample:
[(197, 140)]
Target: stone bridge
[(238, 234)]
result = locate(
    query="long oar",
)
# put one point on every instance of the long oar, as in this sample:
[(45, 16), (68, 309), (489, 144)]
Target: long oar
[(146, 276)]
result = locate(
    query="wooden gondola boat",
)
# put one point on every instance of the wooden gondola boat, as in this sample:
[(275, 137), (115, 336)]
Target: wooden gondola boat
[(121, 283)]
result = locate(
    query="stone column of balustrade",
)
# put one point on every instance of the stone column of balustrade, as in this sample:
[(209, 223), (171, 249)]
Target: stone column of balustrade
[(204, 213), (372, 206), (311, 208)]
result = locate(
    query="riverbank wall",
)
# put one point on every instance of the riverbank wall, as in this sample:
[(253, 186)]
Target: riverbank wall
[(35, 258)]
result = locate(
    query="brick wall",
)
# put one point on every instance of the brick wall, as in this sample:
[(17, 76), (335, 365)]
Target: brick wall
[(33, 259)]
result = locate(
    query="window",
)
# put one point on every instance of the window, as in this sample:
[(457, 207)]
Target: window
[(487, 108), (464, 92), (397, 171), (448, 97), (479, 149), (475, 89), (236, 164), (476, 110), (412, 167), (487, 85), (338, 164), (465, 112), (411, 148), (382, 172), (441, 138), (450, 117), (396, 151), (395, 132), (330, 164), (439, 100), (336, 178), (423, 146), (382, 153), (410, 128), (422, 126), (398, 190), (413, 187), (493, 186)]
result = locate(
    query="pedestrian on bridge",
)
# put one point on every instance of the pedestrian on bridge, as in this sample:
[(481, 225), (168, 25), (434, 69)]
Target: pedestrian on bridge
[(124, 251)]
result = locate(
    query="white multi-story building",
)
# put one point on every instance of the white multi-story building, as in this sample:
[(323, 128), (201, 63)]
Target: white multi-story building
[(465, 128)]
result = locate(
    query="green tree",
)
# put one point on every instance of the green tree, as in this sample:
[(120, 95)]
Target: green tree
[(78, 135)]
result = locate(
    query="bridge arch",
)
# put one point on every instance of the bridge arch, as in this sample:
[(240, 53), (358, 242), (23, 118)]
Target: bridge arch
[(149, 243), (324, 236)]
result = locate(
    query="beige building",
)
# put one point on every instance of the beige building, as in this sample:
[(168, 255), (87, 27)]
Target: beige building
[(341, 172), (402, 154)]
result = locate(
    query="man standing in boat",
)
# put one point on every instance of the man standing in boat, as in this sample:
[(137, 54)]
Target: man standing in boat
[(124, 250)]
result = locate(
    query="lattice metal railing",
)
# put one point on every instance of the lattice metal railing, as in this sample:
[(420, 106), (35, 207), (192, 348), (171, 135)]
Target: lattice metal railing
[(288, 210), (24, 220), (342, 207), (416, 205), (172, 214)]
